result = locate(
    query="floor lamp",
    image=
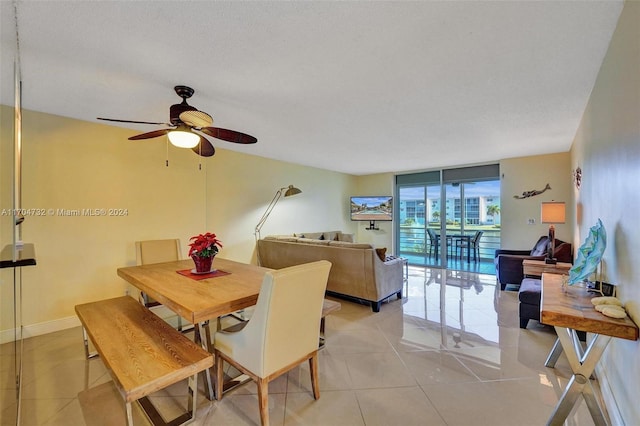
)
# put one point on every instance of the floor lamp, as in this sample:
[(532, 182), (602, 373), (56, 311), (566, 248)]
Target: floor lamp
[(288, 192), (552, 212)]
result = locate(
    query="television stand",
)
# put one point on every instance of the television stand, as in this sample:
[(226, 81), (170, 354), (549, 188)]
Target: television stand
[(372, 226)]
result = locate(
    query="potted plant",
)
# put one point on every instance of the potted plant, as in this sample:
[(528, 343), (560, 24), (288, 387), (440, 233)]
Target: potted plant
[(203, 249)]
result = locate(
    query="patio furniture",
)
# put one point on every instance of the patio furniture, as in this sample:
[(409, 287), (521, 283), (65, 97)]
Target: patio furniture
[(473, 244), (434, 242)]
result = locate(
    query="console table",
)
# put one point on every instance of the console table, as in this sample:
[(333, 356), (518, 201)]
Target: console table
[(569, 309), (538, 267)]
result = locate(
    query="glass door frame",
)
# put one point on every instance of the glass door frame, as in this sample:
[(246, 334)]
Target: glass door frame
[(446, 179)]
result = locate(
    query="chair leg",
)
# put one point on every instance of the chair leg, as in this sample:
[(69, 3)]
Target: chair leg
[(263, 400), (219, 369), (313, 369)]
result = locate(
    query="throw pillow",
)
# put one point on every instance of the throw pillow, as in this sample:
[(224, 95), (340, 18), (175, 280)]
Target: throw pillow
[(382, 253), (541, 246), (331, 236), (346, 238)]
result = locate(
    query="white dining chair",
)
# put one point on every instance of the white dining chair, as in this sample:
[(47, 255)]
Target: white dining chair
[(282, 333), (157, 251)]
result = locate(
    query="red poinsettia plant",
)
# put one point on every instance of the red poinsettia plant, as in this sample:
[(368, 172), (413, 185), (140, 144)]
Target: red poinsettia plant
[(204, 245)]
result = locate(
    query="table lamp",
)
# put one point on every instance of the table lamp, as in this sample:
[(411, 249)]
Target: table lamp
[(552, 212)]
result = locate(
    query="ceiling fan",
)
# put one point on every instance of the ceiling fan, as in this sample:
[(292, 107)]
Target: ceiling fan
[(187, 125)]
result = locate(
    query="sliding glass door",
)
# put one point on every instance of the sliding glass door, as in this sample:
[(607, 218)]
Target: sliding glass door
[(449, 218), (419, 218)]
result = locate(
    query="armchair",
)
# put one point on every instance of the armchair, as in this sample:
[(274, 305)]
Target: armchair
[(509, 262)]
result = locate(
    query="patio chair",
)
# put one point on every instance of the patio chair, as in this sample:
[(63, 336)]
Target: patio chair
[(474, 244)]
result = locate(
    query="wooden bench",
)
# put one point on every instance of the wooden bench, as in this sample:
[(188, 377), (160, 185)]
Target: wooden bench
[(142, 353)]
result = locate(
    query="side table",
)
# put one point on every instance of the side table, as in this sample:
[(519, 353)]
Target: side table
[(530, 289), (569, 310)]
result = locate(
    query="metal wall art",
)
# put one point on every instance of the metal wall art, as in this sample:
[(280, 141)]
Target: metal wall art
[(533, 193), (577, 177)]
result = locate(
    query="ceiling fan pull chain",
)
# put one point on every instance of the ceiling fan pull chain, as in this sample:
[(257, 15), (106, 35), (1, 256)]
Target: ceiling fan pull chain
[(167, 160)]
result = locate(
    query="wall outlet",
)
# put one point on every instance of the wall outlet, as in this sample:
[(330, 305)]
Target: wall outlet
[(531, 221)]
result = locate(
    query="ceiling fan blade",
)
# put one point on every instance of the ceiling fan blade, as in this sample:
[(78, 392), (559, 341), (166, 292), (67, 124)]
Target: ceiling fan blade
[(150, 135), (196, 118), (131, 121), (229, 135), (204, 148)]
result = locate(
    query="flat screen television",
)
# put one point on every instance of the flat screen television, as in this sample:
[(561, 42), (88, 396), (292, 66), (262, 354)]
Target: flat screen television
[(372, 208)]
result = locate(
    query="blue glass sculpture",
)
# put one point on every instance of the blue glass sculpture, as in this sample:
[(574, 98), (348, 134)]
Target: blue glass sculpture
[(589, 254)]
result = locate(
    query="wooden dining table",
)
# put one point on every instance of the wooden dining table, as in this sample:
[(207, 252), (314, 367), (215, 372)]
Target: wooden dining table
[(195, 298), (198, 300)]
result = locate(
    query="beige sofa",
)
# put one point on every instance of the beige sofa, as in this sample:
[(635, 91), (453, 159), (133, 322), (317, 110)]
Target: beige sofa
[(356, 269)]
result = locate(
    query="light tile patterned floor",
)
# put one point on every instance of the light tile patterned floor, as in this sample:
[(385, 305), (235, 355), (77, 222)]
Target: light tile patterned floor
[(449, 353)]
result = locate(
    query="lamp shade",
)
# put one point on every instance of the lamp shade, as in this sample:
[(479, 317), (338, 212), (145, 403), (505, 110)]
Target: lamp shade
[(182, 137), (291, 190), (552, 212)]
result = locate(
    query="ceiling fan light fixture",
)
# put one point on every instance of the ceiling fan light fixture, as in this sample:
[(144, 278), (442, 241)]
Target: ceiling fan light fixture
[(182, 137)]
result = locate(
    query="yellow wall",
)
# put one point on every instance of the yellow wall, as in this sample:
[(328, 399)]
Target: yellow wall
[(533, 173), (74, 165), (607, 148)]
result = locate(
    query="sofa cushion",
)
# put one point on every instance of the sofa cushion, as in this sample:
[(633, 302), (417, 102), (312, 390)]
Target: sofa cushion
[(281, 238), (382, 253), (348, 238), (563, 252), (311, 235), (346, 244), (313, 241), (541, 247), (331, 235), (562, 249)]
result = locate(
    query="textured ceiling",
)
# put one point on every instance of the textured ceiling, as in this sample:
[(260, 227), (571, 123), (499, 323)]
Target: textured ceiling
[(356, 87)]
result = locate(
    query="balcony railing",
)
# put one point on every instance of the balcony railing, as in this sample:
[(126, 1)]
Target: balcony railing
[(414, 240)]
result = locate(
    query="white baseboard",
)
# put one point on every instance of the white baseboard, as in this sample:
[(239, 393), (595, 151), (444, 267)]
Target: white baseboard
[(607, 396), (38, 329), (41, 328)]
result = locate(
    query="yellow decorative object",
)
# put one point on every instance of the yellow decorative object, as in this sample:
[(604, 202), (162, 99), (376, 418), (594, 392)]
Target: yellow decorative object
[(606, 300), (610, 311)]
